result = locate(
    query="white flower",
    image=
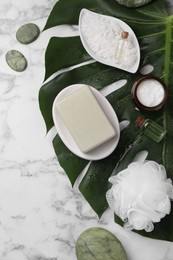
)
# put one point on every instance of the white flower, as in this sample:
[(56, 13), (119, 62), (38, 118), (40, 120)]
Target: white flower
[(140, 195)]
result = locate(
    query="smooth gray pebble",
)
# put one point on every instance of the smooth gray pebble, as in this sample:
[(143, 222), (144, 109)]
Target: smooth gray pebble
[(16, 60), (27, 33)]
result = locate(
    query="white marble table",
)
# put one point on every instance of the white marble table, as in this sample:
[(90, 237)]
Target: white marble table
[(41, 216)]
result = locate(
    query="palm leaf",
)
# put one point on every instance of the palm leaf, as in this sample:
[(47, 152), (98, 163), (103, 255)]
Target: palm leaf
[(153, 27)]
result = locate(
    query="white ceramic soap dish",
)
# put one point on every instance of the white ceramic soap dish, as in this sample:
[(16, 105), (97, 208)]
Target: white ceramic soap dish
[(102, 150)]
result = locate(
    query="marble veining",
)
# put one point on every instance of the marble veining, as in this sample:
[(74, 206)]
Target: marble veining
[(41, 216)]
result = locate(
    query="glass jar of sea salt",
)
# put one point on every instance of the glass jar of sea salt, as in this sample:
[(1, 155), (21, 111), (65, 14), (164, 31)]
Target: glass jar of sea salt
[(149, 93)]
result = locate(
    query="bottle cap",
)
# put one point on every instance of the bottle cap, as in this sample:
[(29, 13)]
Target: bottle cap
[(124, 35)]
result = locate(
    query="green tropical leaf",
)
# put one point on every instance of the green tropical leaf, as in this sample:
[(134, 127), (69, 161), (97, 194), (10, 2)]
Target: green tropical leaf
[(57, 59), (75, 164), (154, 29)]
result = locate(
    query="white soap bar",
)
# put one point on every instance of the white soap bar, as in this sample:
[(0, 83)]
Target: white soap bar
[(85, 119)]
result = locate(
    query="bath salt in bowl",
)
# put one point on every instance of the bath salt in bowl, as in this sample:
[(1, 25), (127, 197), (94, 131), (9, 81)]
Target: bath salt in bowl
[(109, 40)]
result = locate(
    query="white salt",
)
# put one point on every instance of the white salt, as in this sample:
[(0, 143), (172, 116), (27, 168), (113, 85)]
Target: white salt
[(103, 37), (150, 92)]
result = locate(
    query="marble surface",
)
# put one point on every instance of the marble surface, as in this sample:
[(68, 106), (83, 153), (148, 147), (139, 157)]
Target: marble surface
[(41, 216)]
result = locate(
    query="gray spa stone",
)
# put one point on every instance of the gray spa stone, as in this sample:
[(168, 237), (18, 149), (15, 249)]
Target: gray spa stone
[(16, 60), (27, 33), (98, 243)]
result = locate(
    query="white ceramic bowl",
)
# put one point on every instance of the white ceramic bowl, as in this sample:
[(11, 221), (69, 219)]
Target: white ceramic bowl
[(120, 24)]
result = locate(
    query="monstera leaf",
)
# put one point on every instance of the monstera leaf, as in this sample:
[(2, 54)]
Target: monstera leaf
[(153, 28)]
